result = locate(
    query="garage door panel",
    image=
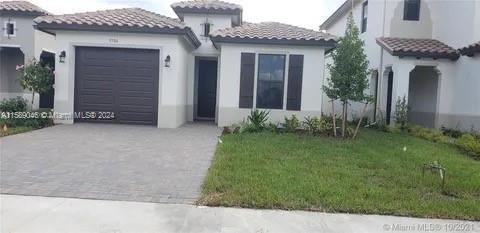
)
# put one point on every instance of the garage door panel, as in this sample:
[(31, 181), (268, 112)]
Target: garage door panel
[(123, 81)]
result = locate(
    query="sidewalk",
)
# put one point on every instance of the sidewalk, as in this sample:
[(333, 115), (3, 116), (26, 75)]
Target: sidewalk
[(68, 215)]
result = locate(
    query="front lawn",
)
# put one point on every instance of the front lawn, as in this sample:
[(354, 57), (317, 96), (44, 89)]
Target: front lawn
[(372, 175)]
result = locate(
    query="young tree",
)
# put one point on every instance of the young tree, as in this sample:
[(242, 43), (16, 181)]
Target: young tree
[(36, 78), (349, 71)]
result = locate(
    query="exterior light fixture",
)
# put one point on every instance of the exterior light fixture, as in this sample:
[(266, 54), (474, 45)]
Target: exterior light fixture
[(62, 56), (167, 61)]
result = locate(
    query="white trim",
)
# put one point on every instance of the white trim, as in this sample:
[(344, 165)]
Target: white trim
[(5, 28)]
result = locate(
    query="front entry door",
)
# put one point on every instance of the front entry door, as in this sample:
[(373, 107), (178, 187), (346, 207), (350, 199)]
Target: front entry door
[(207, 89)]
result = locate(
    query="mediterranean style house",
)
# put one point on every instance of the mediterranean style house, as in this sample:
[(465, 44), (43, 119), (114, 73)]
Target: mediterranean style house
[(207, 64), (427, 51), (19, 44)]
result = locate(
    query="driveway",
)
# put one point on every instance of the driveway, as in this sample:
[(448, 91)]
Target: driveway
[(110, 162)]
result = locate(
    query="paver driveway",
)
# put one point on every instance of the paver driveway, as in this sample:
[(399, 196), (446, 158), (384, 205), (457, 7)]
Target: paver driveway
[(111, 162)]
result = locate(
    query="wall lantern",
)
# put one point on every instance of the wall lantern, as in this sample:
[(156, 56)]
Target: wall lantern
[(62, 56), (167, 61)]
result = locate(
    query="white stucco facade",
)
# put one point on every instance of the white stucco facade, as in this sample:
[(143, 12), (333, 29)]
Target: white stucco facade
[(20, 48), (229, 81), (172, 96), (455, 23)]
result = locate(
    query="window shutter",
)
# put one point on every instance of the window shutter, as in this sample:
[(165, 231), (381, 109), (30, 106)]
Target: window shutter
[(295, 76), (247, 79)]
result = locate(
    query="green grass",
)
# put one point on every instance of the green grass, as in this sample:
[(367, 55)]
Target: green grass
[(370, 175), (15, 130)]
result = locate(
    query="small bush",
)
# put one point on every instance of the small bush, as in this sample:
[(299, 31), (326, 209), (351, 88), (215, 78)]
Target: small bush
[(434, 135), (256, 121), (315, 125), (13, 105), (272, 127), (401, 113), (291, 124), (454, 133), (470, 144)]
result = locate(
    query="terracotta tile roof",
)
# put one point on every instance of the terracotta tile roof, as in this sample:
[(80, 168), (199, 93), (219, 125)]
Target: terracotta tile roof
[(206, 4), (471, 49), (273, 33), (21, 7), (122, 20), (422, 48)]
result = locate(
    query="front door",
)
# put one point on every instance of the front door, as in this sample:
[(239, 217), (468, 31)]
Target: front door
[(207, 89)]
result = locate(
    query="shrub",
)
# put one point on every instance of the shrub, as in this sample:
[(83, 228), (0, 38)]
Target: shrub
[(454, 133), (434, 135), (272, 127), (13, 105), (401, 113), (256, 121), (315, 125), (470, 144), (291, 124)]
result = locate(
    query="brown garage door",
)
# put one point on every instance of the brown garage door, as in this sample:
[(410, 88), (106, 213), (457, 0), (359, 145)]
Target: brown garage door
[(119, 81)]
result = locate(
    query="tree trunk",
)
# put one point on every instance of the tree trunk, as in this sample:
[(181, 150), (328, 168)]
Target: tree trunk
[(334, 119), (344, 118), (360, 121)]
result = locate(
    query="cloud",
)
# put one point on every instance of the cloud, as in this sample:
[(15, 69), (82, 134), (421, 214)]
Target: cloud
[(304, 13)]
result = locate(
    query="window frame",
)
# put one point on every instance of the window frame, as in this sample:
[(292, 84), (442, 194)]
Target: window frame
[(406, 8), (364, 19), (6, 25), (204, 29), (257, 76)]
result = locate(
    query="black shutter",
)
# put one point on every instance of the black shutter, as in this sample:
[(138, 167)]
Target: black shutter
[(295, 74), (247, 79)]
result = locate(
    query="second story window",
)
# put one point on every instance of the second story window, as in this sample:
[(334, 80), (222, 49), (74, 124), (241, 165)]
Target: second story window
[(411, 10), (364, 16), (206, 29), (10, 29)]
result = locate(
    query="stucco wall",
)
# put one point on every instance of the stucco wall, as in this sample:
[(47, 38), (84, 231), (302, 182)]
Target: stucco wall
[(229, 81), (196, 21), (172, 91), (456, 23)]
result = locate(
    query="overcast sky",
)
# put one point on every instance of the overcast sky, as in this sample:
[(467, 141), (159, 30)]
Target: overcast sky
[(305, 13)]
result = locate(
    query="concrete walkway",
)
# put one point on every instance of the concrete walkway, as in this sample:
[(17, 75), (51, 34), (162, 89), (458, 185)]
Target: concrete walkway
[(25, 214), (109, 162)]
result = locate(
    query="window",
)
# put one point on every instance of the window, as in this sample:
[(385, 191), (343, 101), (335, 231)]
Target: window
[(270, 82), (411, 10), (364, 16), (10, 28), (206, 29)]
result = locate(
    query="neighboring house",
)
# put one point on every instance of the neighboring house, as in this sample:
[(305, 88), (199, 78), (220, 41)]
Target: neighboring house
[(19, 44), (206, 65), (424, 50)]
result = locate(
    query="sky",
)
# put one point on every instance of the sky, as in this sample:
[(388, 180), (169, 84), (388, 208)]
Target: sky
[(304, 13)]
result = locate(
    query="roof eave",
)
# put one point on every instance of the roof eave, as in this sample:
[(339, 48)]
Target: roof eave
[(14, 13), (334, 17), (451, 56), (470, 52), (52, 27), (329, 44)]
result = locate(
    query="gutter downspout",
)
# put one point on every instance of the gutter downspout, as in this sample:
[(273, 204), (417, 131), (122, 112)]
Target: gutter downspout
[(381, 72)]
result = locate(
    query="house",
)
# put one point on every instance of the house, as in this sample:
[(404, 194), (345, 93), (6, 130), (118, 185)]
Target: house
[(19, 44), (208, 64), (424, 50)]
